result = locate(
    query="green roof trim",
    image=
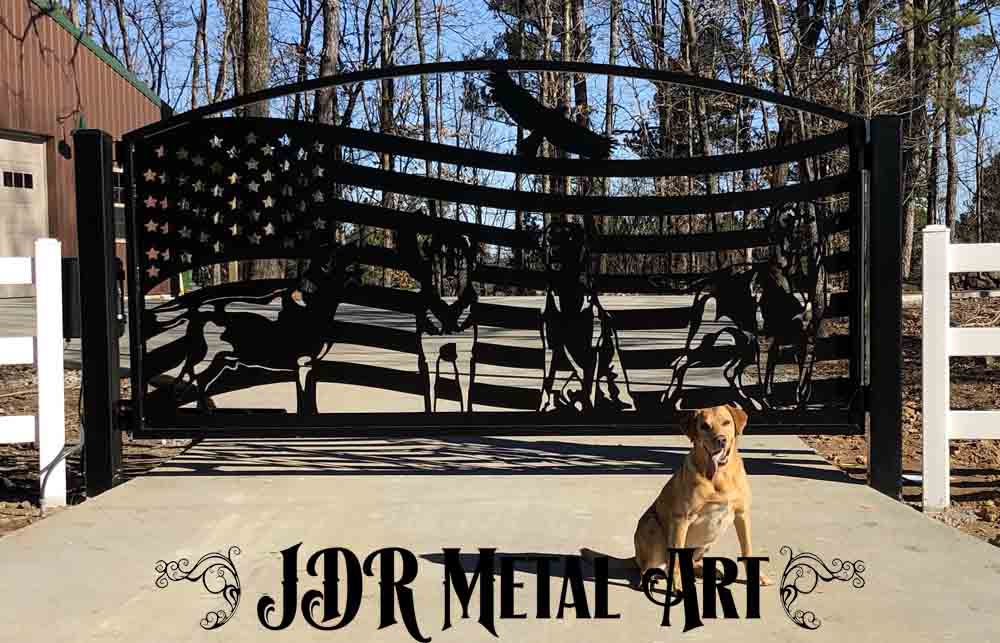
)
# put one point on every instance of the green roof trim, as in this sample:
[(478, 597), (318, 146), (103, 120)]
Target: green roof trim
[(53, 10)]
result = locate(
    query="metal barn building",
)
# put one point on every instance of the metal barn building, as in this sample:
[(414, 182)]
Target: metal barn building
[(53, 80)]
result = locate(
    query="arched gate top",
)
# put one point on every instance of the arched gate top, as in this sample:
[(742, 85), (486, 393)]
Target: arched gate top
[(486, 66)]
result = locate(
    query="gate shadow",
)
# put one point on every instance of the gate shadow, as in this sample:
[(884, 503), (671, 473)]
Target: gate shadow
[(465, 456)]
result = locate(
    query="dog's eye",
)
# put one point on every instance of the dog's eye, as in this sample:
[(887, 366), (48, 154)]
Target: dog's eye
[(706, 427)]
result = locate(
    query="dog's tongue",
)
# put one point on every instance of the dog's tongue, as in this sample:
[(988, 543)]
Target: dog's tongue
[(713, 463)]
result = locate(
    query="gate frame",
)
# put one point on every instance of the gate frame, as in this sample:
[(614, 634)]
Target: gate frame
[(876, 275)]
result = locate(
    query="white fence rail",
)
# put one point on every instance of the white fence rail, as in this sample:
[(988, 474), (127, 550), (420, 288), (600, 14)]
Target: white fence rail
[(941, 341), (47, 429)]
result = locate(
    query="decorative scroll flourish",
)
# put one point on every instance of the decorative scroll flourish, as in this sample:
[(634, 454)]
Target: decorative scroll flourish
[(217, 573), (803, 573)]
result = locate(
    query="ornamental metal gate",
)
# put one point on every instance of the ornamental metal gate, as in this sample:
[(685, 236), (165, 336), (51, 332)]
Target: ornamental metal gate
[(764, 294)]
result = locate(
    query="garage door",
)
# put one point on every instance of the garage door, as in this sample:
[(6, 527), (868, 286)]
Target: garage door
[(23, 203)]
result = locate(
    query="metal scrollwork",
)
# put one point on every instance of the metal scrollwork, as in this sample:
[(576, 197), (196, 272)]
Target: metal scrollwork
[(802, 575), (216, 572)]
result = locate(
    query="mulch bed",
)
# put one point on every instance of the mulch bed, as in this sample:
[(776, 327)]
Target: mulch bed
[(975, 464), (19, 501)]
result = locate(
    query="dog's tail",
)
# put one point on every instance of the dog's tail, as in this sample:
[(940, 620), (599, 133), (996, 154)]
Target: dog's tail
[(614, 563)]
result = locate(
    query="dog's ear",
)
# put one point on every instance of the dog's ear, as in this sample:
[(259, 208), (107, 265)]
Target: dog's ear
[(689, 424), (739, 417)]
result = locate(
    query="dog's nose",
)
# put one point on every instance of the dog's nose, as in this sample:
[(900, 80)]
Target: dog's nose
[(720, 442)]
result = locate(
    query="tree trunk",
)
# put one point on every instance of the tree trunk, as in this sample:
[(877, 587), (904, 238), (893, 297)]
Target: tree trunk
[(256, 76), (199, 38), (951, 117), (934, 166), (123, 28), (256, 53), (609, 109), (326, 100)]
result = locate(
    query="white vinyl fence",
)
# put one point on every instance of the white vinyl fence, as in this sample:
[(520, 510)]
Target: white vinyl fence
[(45, 350), (941, 341)]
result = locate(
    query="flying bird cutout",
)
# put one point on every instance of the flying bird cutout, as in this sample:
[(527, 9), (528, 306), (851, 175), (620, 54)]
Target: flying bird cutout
[(545, 122)]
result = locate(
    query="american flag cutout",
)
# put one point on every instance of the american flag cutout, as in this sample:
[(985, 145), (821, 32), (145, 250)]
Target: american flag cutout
[(209, 194)]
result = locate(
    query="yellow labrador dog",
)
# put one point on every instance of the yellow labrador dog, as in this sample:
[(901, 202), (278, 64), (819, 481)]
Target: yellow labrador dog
[(700, 501)]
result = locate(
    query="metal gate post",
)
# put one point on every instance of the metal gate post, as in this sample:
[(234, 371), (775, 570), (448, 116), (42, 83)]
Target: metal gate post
[(98, 309), (885, 435)]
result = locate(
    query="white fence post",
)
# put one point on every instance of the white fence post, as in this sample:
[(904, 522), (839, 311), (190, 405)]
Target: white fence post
[(936, 374), (51, 420)]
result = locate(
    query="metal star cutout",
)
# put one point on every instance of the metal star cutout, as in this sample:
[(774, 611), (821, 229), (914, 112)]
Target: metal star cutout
[(215, 141), (149, 175), (150, 201), (151, 226)]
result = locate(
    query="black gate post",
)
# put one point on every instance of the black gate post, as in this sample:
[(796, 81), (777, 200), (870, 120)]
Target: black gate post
[(102, 450), (885, 432)]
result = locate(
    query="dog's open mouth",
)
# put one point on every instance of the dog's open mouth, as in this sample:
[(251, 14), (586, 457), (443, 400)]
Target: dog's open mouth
[(716, 460)]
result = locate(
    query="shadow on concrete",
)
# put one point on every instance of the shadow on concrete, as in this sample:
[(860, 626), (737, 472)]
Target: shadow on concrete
[(465, 456)]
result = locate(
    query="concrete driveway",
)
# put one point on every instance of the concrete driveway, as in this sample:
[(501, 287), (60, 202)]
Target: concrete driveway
[(87, 574)]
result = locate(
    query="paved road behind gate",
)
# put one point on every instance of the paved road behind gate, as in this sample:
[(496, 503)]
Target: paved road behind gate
[(87, 573)]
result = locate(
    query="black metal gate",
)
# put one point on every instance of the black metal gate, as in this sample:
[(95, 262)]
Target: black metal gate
[(458, 327)]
